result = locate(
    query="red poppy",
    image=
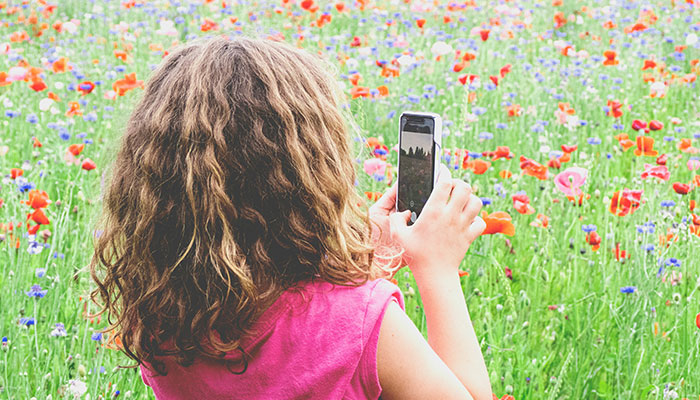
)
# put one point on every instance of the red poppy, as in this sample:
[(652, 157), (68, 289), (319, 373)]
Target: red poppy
[(88, 164), (39, 217), (15, 172), (685, 146), (37, 143), (656, 125), (682, 188), (657, 171), (625, 202), (594, 239), (569, 148), (74, 109), (494, 79), (501, 152), (478, 166), (359, 91), (662, 159), (505, 70), (638, 124), (559, 20), (542, 221), (128, 83), (610, 58), (420, 22), (645, 146), (484, 33), (498, 222), (697, 320), (521, 202), (533, 168), (76, 149), (615, 109), (86, 87), (38, 85), (33, 229), (37, 199), (554, 163), (374, 196), (619, 253), (649, 64)]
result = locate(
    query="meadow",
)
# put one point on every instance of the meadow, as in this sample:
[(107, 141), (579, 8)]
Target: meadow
[(576, 122)]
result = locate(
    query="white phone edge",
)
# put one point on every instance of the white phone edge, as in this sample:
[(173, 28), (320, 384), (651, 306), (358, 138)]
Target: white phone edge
[(437, 139)]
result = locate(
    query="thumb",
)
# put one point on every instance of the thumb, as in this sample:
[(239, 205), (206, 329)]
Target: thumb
[(398, 222)]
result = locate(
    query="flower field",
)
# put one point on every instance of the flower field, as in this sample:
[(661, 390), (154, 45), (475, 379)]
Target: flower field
[(576, 122)]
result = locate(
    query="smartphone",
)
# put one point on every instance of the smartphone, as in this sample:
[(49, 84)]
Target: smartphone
[(420, 141)]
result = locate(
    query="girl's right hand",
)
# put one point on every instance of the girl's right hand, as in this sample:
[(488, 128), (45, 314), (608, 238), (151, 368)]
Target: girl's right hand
[(437, 242)]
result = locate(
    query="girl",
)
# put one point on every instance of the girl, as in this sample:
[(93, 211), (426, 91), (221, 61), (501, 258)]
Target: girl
[(236, 261)]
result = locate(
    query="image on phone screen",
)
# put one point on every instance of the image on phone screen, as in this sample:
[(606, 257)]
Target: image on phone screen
[(416, 164)]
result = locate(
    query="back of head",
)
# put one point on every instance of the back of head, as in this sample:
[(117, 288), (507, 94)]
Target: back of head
[(233, 181)]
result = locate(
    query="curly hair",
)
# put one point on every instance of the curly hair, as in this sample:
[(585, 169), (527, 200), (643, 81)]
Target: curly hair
[(233, 181)]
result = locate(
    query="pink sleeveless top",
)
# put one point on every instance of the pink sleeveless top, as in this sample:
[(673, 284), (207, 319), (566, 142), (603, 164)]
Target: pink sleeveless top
[(316, 343)]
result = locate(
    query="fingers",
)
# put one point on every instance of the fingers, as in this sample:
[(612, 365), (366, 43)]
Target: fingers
[(460, 195), (472, 208), (476, 228), (443, 188), (398, 222), (388, 200)]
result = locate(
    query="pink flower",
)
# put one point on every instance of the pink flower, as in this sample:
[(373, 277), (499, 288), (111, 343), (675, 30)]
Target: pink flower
[(570, 180), (658, 171), (375, 166), (693, 165)]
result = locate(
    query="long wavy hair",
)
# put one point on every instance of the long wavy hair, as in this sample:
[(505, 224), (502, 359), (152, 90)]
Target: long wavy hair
[(233, 181)]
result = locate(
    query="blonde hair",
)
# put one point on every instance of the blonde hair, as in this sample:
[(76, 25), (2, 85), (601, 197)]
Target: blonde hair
[(233, 181)]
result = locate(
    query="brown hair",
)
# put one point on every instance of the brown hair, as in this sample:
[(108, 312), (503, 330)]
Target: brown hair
[(233, 181)]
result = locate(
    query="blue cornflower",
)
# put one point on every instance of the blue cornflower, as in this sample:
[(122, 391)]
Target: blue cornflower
[(34, 247), (589, 228), (63, 133), (501, 125), (668, 203), (474, 154), (485, 135), (647, 227), (486, 201), (36, 291), (649, 248), (12, 113), (58, 330), (40, 272), (628, 289), (673, 262), (32, 118), (594, 140), (96, 336), (25, 321), (23, 184), (478, 110)]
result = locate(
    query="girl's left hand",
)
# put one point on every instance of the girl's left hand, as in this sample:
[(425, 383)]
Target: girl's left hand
[(381, 234)]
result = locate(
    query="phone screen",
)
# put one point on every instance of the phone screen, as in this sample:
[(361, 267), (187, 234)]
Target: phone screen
[(416, 159)]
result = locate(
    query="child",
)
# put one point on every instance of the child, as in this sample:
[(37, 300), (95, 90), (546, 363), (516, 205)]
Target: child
[(235, 260)]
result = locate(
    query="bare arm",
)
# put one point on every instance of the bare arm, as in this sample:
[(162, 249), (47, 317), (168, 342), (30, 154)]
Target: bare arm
[(434, 247), (408, 367)]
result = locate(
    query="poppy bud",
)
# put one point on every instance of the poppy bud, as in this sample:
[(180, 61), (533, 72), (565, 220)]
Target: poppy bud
[(655, 125)]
